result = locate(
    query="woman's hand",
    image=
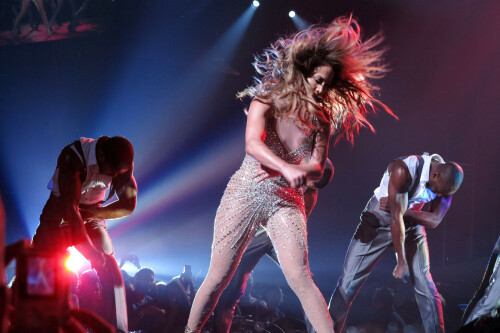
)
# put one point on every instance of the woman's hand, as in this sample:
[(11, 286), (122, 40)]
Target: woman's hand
[(265, 173), (294, 175)]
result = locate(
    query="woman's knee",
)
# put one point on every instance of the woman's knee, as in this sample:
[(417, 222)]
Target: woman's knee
[(299, 280), (217, 280)]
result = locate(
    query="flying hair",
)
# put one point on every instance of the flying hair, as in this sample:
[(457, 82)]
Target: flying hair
[(283, 68)]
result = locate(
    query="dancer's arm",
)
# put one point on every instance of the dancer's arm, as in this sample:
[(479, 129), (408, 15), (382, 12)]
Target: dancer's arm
[(399, 182), (431, 219), (126, 190), (70, 186)]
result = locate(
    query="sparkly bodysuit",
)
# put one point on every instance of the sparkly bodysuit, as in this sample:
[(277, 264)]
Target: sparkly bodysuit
[(245, 205)]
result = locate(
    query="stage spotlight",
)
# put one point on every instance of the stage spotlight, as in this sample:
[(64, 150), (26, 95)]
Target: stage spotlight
[(76, 261), (299, 22), (255, 3)]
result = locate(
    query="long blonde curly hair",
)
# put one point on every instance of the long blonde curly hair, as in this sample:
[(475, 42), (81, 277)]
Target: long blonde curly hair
[(283, 69)]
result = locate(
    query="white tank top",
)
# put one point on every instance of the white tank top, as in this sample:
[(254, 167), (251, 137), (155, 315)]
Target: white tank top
[(95, 185), (422, 194)]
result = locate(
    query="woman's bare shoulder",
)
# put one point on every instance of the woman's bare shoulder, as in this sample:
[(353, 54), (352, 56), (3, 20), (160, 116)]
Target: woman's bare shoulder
[(263, 100), (261, 106)]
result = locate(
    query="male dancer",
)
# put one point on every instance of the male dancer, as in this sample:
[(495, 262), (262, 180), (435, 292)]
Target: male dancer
[(407, 185), (74, 215), (259, 246)]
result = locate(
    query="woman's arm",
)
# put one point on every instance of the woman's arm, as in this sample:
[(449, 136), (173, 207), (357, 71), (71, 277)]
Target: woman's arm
[(255, 135), (316, 164), (296, 175)]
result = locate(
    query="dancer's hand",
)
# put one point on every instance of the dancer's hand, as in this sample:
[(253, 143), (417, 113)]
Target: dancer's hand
[(85, 214), (265, 173), (384, 204), (294, 175), (401, 271)]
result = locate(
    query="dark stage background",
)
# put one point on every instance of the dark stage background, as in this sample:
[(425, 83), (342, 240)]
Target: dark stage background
[(164, 74)]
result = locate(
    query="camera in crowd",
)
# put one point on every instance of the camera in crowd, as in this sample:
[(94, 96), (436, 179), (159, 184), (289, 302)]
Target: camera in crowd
[(41, 291)]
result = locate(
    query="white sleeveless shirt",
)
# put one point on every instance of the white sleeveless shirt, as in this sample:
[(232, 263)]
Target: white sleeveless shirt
[(95, 185), (422, 194)]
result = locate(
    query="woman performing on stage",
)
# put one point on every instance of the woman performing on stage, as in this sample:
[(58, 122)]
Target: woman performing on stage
[(308, 87)]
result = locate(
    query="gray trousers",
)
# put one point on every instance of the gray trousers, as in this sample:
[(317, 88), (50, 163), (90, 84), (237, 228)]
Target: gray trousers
[(486, 301), (370, 241)]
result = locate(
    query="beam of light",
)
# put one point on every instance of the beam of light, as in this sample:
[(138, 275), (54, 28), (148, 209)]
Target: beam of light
[(25, 205), (211, 165), (176, 107), (192, 175), (76, 262), (16, 225), (222, 52), (172, 244), (225, 47), (299, 22), (147, 104)]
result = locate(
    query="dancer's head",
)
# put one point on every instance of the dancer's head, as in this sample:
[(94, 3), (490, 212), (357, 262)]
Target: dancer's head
[(321, 71), (116, 156), (445, 178)]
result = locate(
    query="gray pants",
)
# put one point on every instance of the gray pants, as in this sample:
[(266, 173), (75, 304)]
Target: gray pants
[(370, 241), (486, 301)]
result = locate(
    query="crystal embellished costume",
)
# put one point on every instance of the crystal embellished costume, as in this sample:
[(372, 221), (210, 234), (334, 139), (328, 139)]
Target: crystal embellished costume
[(272, 203), (246, 203)]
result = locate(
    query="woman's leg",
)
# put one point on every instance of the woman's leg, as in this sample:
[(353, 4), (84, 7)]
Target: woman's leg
[(235, 225), (288, 232), (24, 8), (41, 10)]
